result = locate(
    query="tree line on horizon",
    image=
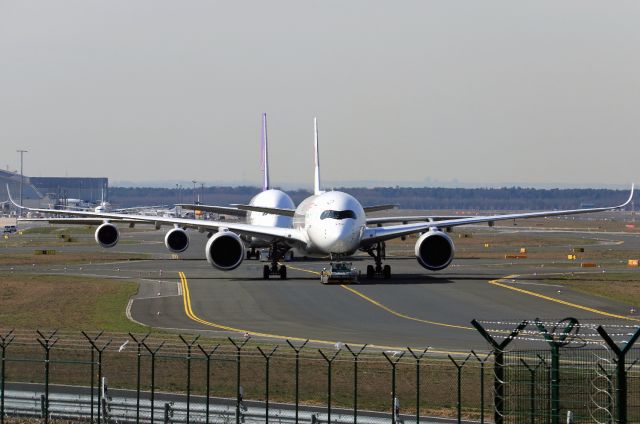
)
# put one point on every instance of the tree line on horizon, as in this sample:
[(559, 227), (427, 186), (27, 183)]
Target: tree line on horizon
[(497, 199)]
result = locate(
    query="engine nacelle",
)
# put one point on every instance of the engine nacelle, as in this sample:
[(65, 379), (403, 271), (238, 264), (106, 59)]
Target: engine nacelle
[(225, 250), (176, 240), (434, 250), (107, 235)]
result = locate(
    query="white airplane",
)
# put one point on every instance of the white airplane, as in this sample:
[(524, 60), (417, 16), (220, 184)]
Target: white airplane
[(268, 198), (329, 223), (259, 209)]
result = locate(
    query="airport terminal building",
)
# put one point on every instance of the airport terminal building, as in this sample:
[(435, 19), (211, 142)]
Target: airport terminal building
[(52, 191)]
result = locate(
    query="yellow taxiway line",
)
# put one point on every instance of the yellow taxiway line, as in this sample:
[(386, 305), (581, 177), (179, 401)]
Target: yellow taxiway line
[(388, 309), (556, 300), (401, 315), (186, 297)]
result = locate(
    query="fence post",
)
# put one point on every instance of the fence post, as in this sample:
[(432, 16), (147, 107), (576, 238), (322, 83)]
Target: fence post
[(139, 355), (329, 362), (621, 371), (498, 366), (95, 348), (393, 383), (153, 352), (297, 373), (47, 344), (532, 390), (208, 356), (267, 358), (556, 341), (418, 356), (238, 393), (459, 380), (355, 380), (93, 359), (482, 362), (5, 341), (189, 346)]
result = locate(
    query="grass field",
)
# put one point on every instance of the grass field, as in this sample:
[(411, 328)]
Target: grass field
[(621, 287), (66, 258), (65, 302)]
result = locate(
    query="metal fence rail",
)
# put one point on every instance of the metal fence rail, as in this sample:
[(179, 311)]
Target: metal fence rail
[(123, 409)]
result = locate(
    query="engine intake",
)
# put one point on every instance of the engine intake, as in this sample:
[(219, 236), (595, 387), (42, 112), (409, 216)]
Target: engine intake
[(434, 250), (107, 235), (225, 250), (176, 240)]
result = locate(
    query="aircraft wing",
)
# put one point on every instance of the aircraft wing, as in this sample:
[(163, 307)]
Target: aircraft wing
[(406, 219), (224, 210), (287, 235), (376, 234), (79, 221)]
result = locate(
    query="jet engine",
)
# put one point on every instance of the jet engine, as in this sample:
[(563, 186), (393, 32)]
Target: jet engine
[(107, 235), (176, 240), (434, 250), (225, 250)]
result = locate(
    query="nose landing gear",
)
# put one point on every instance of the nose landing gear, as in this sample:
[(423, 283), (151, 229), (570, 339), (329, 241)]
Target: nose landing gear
[(378, 253)]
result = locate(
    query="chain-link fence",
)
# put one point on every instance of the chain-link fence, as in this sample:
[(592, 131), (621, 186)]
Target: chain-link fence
[(189, 379)]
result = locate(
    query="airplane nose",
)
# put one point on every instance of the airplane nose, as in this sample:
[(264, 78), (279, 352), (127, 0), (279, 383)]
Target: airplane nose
[(339, 237)]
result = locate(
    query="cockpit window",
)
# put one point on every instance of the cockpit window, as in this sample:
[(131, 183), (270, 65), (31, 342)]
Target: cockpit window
[(338, 214)]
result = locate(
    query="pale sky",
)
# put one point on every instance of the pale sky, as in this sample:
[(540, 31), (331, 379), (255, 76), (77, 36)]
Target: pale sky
[(484, 92)]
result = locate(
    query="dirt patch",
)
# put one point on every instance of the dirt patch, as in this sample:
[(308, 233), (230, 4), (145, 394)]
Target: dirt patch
[(66, 258)]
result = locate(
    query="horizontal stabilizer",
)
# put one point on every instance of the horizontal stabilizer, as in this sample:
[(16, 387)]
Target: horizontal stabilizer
[(272, 211), (376, 208), (222, 210)]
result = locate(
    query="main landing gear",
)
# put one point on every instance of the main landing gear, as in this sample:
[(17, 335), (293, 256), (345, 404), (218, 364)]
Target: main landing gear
[(276, 253), (378, 253)]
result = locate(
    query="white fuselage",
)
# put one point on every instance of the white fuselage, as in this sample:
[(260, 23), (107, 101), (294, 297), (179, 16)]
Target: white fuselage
[(334, 223), (269, 199)]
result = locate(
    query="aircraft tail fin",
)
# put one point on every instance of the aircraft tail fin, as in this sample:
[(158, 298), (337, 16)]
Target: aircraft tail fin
[(316, 180), (264, 154)]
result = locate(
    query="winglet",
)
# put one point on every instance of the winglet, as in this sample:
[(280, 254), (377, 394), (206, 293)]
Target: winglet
[(11, 198), (630, 197), (316, 180), (264, 154)]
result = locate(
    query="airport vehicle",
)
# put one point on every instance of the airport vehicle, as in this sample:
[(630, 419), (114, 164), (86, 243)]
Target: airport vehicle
[(339, 273), (328, 223), (10, 229)]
